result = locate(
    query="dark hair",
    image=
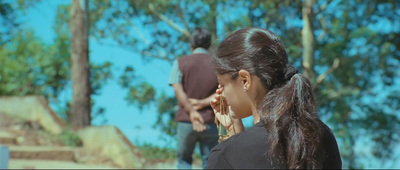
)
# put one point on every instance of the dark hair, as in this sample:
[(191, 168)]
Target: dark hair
[(200, 37), (287, 110)]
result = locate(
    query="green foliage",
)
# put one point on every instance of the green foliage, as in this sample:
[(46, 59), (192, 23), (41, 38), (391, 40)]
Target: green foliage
[(99, 75), (25, 4), (60, 25), (29, 67), (70, 138), (141, 94), (365, 53), (7, 21), (5, 9), (167, 108), (9, 18), (127, 77), (154, 152)]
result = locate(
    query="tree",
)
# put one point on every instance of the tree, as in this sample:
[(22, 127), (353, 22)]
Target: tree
[(80, 69), (307, 35), (8, 22), (44, 67)]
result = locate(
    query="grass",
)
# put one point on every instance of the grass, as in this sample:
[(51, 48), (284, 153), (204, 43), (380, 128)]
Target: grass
[(154, 152), (70, 138)]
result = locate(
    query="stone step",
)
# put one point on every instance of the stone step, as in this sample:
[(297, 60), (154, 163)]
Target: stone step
[(46, 164), (6, 138), (42, 153)]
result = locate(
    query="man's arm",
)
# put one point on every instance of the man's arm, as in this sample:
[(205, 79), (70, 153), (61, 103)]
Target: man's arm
[(199, 104), (182, 97), (195, 116)]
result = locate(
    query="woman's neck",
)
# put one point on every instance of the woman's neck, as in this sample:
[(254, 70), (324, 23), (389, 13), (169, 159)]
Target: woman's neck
[(256, 116), (257, 101)]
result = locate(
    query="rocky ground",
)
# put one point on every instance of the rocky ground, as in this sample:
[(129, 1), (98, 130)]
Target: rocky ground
[(31, 147)]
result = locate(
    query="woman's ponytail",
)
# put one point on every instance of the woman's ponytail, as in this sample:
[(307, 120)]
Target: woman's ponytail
[(291, 121)]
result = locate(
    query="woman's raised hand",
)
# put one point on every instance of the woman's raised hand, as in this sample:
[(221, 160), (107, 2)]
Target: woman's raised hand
[(222, 110)]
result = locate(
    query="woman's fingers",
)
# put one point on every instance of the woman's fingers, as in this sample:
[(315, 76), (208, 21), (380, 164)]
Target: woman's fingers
[(215, 103), (222, 115), (219, 89)]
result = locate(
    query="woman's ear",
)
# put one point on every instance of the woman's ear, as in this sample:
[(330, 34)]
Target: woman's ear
[(245, 78)]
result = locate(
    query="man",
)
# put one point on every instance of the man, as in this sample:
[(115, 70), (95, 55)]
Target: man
[(194, 82)]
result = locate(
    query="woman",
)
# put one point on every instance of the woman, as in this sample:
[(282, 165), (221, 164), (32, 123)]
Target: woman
[(256, 80)]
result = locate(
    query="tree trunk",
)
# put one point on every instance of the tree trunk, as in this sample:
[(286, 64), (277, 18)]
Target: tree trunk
[(308, 40), (80, 69), (213, 24)]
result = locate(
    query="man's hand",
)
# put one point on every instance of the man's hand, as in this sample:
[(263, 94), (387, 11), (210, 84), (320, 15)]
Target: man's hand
[(197, 104), (197, 121), (195, 117)]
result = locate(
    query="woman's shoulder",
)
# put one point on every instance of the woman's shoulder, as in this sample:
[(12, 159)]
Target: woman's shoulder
[(327, 137), (256, 135), (220, 156), (331, 149), (327, 132), (233, 141), (251, 144)]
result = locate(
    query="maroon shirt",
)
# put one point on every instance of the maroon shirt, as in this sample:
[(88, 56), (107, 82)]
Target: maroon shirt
[(199, 81)]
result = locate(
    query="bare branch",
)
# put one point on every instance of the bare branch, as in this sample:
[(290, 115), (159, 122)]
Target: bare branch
[(168, 21), (323, 7), (119, 30), (324, 28), (145, 53), (4, 42), (146, 41), (182, 18), (308, 40), (334, 66), (137, 30)]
